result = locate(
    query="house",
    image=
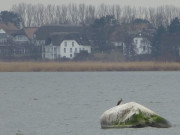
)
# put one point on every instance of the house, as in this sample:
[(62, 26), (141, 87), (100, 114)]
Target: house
[(46, 33), (141, 45), (6, 43), (17, 43), (65, 45)]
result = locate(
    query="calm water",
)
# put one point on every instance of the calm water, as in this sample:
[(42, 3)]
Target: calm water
[(72, 103)]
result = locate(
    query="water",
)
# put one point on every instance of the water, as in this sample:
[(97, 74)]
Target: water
[(72, 103)]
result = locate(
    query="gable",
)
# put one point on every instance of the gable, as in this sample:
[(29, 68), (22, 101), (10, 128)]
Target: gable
[(30, 32), (69, 43)]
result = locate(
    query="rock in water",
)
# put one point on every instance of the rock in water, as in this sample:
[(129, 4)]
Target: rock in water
[(132, 115)]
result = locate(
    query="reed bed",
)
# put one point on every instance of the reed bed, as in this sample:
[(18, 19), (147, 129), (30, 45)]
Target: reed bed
[(87, 66)]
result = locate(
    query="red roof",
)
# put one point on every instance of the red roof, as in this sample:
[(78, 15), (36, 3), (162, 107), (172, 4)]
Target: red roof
[(9, 28)]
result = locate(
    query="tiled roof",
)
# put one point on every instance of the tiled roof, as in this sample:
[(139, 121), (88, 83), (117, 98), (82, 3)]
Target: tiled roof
[(44, 32), (9, 28)]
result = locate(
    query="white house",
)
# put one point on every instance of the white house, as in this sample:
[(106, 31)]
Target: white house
[(67, 46), (141, 46)]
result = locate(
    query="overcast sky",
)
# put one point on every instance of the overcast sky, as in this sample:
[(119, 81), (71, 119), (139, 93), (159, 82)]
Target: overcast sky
[(7, 4)]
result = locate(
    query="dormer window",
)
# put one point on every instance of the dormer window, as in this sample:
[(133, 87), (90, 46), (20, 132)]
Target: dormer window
[(72, 44)]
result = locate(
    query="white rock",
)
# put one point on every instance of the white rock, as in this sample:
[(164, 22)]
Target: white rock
[(120, 115)]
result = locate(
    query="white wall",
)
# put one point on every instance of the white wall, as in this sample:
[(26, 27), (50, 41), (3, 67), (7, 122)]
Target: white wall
[(68, 49), (141, 46)]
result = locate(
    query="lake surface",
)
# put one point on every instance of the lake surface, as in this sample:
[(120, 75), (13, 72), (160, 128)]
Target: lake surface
[(71, 103)]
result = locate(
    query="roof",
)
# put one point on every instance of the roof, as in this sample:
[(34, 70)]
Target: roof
[(58, 38), (9, 28), (44, 32), (30, 32), (19, 32)]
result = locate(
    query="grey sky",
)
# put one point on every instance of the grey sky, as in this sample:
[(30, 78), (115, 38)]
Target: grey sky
[(7, 4)]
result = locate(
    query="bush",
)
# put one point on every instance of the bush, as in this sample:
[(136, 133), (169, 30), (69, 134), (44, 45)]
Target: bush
[(82, 56)]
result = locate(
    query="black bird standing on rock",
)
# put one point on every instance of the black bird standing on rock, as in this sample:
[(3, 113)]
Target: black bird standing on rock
[(119, 102)]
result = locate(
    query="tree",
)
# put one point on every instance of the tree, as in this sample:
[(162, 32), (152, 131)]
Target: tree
[(105, 21), (174, 27), (169, 47), (157, 41), (165, 45), (101, 30), (82, 56), (8, 16)]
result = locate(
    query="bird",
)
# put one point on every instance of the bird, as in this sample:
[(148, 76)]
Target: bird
[(119, 102)]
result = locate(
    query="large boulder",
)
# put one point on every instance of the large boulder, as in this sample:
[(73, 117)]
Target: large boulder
[(132, 115)]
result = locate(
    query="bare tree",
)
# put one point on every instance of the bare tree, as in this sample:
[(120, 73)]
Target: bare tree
[(90, 14), (37, 15), (21, 10), (73, 13)]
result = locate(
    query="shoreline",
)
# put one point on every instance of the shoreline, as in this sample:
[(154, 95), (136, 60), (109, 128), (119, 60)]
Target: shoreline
[(87, 66)]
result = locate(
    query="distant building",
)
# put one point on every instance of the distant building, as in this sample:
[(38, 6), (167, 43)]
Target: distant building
[(53, 39), (6, 43), (141, 45), (15, 42), (65, 45)]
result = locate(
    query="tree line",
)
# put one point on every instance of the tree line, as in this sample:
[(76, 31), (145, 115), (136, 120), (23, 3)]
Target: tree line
[(166, 42), (38, 15)]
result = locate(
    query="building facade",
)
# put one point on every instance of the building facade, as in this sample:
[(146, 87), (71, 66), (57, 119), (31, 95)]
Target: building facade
[(141, 46), (67, 49)]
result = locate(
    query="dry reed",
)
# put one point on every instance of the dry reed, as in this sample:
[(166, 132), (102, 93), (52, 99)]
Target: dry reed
[(87, 66)]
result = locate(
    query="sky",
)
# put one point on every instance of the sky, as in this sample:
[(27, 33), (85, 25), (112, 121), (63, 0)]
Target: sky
[(7, 4)]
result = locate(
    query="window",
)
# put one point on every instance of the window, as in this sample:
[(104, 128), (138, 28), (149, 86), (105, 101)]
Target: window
[(55, 49), (75, 50), (72, 44), (71, 55), (64, 50), (144, 48), (65, 44), (71, 50), (136, 41)]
